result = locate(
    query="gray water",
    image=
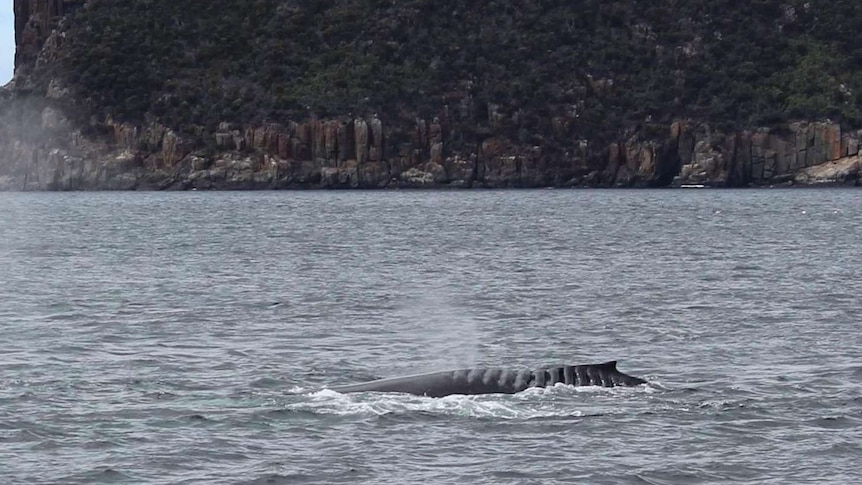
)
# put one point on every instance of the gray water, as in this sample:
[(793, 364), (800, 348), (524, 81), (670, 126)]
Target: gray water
[(187, 337)]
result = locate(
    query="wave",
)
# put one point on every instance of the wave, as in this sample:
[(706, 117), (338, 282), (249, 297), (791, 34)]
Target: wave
[(560, 401)]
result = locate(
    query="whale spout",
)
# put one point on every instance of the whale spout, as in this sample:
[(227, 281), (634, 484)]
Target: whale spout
[(497, 381)]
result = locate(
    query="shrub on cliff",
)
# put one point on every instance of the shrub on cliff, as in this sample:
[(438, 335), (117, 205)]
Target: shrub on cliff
[(601, 64)]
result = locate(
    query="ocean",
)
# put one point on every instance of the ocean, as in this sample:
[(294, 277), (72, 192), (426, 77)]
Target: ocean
[(179, 338)]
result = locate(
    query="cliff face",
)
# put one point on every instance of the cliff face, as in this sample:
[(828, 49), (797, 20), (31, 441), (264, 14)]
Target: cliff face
[(104, 99), (34, 22)]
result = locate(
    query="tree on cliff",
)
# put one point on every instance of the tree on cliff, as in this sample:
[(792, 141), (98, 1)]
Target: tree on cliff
[(606, 63)]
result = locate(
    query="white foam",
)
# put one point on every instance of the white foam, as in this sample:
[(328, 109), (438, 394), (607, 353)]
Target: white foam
[(559, 400)]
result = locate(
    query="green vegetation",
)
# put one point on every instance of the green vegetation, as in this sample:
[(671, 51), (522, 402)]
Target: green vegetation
[(603, 64)]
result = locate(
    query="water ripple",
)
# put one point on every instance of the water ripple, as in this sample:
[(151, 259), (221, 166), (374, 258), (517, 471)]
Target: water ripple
[(189, 338)]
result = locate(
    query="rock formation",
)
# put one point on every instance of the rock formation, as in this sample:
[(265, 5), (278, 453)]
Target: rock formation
[(45, 147)]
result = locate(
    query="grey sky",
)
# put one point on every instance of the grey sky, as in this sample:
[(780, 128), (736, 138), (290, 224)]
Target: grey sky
[(7, 41)]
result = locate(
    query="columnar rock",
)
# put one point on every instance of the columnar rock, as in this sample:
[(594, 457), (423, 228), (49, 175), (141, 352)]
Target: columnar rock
[(360, 134)]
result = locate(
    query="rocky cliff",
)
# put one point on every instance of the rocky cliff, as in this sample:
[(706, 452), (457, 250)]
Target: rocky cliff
[(145, 95)]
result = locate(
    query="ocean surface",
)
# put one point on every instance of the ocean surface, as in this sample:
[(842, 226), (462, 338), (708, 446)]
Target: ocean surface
[(177, 338)]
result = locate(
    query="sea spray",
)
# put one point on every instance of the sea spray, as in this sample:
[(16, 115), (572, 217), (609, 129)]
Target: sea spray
[(445, 335)]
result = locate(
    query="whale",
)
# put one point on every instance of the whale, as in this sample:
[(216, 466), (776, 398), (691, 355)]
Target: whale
[(497, 381)]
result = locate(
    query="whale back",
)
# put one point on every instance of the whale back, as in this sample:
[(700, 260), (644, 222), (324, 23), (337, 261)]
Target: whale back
[(491, 381)]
